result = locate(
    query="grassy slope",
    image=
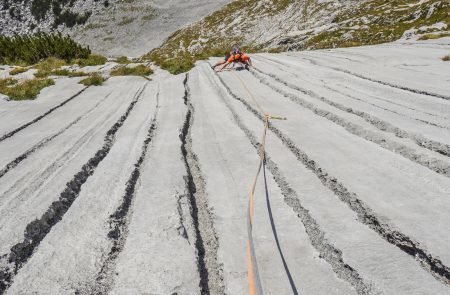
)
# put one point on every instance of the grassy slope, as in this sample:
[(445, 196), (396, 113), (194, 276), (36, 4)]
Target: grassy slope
[(381, 21), (372, 22), (212, 36)]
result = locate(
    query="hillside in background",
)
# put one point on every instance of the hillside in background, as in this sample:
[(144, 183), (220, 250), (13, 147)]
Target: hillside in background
[(281, 25), (134, 27), (110, 27)]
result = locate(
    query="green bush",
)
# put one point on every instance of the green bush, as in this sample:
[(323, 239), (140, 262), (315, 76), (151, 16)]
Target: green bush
[(59, 72), (139, 70), (434, 36), (91, 60), (30, 49), (68, 73), (177, 65), (93, 80), (28, 89), (123, 60), (16, 71), (7, 82), (46, 66)]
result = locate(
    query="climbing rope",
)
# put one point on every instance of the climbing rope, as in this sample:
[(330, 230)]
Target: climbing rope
[(254, 281)]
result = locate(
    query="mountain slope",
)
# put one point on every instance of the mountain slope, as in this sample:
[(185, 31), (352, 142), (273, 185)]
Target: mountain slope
[(111, 27), (280, 25), (134, 27)]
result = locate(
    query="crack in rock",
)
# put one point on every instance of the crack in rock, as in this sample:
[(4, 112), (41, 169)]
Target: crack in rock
[(207, 243), (431, 264), (119, 220), (38, 229)]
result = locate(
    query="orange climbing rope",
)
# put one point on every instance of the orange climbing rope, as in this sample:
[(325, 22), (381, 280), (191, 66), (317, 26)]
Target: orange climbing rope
[(254, 282)]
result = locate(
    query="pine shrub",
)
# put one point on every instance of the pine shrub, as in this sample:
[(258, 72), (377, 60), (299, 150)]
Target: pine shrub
[(30, 49), (17, 71), (91, 60), (140, 70), (94, 79), (28, 89)]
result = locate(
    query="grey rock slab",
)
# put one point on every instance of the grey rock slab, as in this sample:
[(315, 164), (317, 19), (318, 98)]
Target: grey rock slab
[(347, 119), (364, 101), (217, 141), (413, 67), (50, 125), (159, 256), (29, 189), (61, 266), (382, 96), (383, 266), (16, 113), (394, 187)]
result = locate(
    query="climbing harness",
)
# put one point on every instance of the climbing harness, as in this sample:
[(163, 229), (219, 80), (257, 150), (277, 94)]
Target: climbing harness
[(254, 281)]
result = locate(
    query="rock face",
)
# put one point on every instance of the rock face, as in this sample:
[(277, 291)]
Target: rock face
[(23, 17)]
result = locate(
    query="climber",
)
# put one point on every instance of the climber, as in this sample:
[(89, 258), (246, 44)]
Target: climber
[(235, 56)]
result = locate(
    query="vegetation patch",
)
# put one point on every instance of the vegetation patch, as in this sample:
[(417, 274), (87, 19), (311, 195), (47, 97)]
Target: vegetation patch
[(94, 79), (446, 58), (380, 21), (140, 70), (92, 26), (122, 60), (48, 65), (7, 82), (59, 72), (28, 89), (68, 73), (434, 36), (91, 60), (29, 50), (18, 70), (125, 21)]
